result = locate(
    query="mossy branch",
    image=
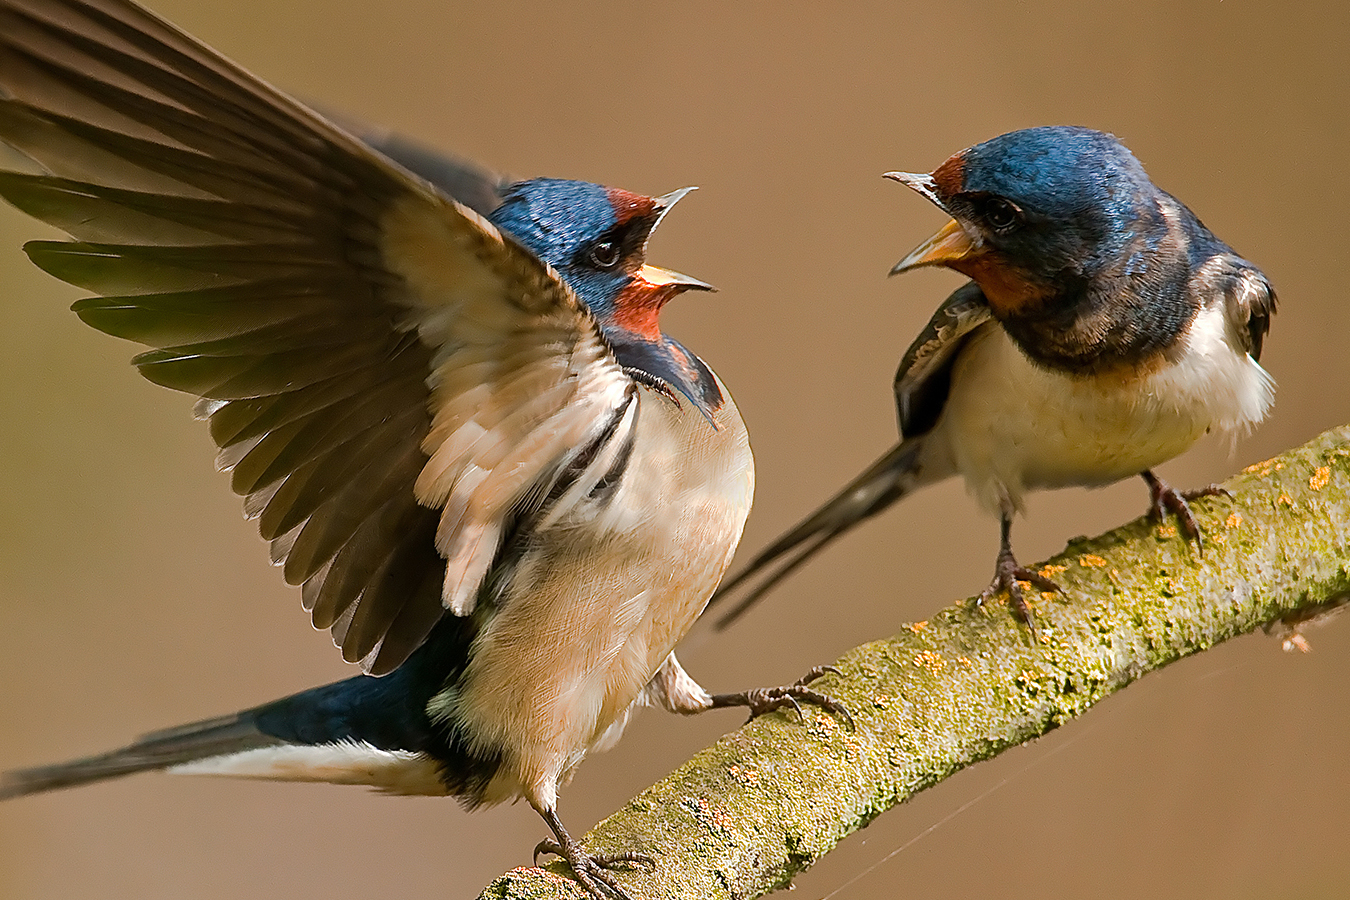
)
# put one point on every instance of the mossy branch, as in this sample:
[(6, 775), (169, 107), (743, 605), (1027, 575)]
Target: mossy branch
[(762, 804)]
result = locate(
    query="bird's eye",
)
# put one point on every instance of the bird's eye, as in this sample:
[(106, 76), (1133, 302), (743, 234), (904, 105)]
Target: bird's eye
[(604, 254), (1000, 215)]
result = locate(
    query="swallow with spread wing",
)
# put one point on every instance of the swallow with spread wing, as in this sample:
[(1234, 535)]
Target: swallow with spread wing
[(1104, 330), (445, 398)]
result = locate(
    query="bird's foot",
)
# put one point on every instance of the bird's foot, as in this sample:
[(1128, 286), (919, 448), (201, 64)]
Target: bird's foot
[(1163, 498), (1007, 574), (593, 871), (762, 700)]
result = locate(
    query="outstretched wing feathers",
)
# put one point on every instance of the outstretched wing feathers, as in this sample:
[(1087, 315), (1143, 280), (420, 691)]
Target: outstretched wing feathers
[(388, 378)]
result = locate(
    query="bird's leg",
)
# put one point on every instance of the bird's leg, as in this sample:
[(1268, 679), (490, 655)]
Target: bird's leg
[(592, 871), (1164, 499), (1007, 573), (672, 687), (762, 700)]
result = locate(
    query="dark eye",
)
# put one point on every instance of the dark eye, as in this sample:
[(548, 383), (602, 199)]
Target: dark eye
[(999, 214), (604, 254)]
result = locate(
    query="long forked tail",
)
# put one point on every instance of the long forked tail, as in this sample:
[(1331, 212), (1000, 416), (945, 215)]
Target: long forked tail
[(364, 730), (160, 750), (884, 482)]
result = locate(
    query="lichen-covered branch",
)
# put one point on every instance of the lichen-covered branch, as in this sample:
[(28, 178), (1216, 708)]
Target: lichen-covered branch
[(747, 814)]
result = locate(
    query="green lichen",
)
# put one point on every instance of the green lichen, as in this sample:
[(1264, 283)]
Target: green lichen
[(747, 814)]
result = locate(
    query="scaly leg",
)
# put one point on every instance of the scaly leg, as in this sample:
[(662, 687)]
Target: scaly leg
[(676, 691), (592, 871), (762, 700), (1163, 499), (1007, 572)]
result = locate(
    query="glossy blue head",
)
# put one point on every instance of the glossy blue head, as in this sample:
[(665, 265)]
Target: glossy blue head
[(1034, 212), (1074, 176), (595, 238)]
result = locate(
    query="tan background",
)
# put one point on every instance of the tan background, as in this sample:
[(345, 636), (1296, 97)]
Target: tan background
[(135, 597)]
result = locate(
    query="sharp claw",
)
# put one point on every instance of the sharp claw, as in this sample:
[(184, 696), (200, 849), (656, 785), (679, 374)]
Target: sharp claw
[(1019, 605), (1164, 499), (589, 871), (765, 700), (826, 702), (1038, 581), (817, 672), (1007, 574)]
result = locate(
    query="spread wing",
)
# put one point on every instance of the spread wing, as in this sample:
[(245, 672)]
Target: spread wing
[(390, 381), (924, 376), (467, 182)]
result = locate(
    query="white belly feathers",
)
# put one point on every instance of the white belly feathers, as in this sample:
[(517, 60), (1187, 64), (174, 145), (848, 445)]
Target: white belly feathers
[(598, 603), (1009, 426)]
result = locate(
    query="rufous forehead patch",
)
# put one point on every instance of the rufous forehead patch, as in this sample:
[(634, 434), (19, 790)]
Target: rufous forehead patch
[(950, 177), (628, 206)]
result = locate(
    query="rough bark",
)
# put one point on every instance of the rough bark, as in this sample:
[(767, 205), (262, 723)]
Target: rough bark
[(762, 804)]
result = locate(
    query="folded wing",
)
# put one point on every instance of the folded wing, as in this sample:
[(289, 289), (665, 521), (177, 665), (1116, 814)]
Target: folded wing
[(923, 378)]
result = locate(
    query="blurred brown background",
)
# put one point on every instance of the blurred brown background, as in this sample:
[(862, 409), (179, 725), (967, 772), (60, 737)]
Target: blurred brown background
[(133, 595)]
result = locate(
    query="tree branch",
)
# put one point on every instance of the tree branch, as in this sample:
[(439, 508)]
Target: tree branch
[(762, 804)]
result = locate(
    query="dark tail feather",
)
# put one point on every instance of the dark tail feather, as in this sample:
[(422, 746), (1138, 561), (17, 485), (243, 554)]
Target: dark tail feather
[(364, 730), (885, 481), (158, 750)]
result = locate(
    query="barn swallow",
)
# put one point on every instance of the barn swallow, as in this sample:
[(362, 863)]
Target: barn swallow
[(1104, 330), (445, 397)]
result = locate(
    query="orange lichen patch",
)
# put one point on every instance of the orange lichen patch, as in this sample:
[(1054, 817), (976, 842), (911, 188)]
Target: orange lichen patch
[(826, 727), (916, 627), (707, 815), (1233, 521), (881, 701), (965, 662), (1167, 531), (1263, 468), (930, 660), (852, 751), (1320, 478), (744, 775), (1050, 571), (1285, 500), (1091, 561), (1029, 681)]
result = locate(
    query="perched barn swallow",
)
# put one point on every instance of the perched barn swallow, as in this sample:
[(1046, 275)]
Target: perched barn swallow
[(502, 487), (1104, 331)]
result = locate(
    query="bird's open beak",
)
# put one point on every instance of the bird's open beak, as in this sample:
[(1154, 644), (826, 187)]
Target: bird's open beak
[(948, 246), (920, 184), (666, 201), (674, 281), (951, 243)]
